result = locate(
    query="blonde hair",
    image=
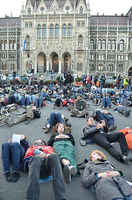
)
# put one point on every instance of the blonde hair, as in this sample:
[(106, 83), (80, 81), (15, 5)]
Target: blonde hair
[(99, 153)]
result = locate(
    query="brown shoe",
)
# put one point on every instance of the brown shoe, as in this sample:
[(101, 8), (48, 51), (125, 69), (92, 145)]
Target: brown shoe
[(46, 130)]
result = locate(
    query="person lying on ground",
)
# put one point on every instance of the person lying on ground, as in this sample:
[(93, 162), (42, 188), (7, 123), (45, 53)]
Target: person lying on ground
[(54, 118), (105, 180), (95, 131), (108, 118), (63, 144), (41, 162), (13, 153), (79, 108)]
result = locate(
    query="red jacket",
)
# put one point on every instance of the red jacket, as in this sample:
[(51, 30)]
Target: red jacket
[(46, 149)]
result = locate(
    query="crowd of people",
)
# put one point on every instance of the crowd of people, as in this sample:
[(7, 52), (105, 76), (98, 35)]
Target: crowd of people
[(56, 157)]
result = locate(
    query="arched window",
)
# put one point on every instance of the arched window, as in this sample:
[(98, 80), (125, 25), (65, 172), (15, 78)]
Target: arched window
[(80, 41), (121, 45), (0, 45), (131, 44), (99, 44), (30, 24), (69, 32), (27, 43), (14, 44), (64, 30), (26, 25), (120, 67), (5, 45), (109, 44), (81, 10), (103, 44), (10, 44), (110, 68), (91, 44), (79, 67), (113, 45), (29, 11), (51, 30), (39, 31), (56, 30), (44, 31)]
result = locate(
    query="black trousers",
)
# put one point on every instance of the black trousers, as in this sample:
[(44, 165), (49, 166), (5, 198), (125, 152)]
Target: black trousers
[(104, 140)]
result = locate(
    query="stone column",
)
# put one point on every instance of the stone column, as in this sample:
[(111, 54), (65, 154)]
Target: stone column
[(47, 64), (35, 63), (59, 65)]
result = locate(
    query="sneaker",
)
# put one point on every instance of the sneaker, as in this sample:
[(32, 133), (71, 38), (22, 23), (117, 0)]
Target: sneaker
[(82, 142), (46, 129), (73, 170), (125, 159), (8, 176), (67, 174), (15, 177)]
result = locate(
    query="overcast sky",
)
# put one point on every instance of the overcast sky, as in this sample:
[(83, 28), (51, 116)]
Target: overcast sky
[(97, 6)]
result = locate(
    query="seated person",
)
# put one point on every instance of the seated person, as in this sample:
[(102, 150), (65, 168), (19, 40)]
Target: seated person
[(100, 115), (13, 153), (95, 131), (42, 162), (63, 145), (105, 180), (79, 108)]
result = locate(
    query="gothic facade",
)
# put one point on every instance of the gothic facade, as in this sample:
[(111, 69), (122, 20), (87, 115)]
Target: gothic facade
[(55, 35), (10, 31), (61, 35)]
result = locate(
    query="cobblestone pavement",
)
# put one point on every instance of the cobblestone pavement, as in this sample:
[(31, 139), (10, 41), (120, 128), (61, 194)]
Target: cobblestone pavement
[(75, 191)]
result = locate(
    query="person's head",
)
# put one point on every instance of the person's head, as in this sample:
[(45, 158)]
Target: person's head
[(97, 155), (91, 121), (39, 142), (78, 97), (60, 128)]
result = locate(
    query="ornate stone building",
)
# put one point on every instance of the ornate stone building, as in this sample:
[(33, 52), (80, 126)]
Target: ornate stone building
[(10, 30), (61, 35), (55, 35), (110, 44)]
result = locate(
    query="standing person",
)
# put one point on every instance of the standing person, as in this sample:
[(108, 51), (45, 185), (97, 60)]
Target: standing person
[(68, 79), (63, 144), (102, 81), (42, 161), (105, 180)]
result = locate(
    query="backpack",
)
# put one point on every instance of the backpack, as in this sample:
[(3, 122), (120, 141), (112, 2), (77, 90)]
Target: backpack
[(37, 113), (128, 135)]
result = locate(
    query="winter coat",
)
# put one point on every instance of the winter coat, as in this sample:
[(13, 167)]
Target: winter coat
[(64, 147), (105, 188)]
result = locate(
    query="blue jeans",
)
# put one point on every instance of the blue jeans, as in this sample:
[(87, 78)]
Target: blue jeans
[(12, 153), (39, 102), (55, 118), (39, 167), (108, 118), (106, 102)]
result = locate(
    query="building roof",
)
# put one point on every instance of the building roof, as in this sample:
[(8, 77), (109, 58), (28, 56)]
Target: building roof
[(10, 21), (48, 3), (109, 20)]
